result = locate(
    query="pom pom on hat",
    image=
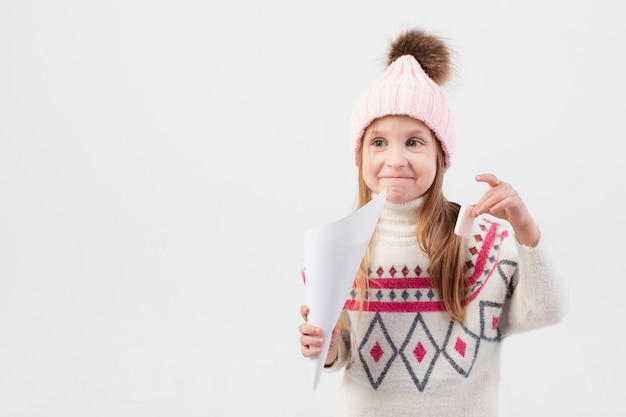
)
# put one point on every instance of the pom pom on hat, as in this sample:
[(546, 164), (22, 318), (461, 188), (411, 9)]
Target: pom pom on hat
[(417, 65), (430, 52)]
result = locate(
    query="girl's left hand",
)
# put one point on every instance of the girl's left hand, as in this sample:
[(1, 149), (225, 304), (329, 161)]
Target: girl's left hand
[(502, 200)]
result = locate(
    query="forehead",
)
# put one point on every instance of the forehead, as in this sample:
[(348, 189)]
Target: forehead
[(396, 123)]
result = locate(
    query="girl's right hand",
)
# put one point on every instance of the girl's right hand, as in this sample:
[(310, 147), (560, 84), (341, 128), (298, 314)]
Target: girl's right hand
[(311, 340)]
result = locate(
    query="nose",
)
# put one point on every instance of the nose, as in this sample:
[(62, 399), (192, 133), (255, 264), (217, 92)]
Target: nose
[(396, 157)]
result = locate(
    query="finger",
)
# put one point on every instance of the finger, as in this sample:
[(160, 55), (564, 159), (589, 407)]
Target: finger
[(334, 336), (310, 352), (488, 178), (483, 205), (311, 341), (335, 333), (489, 203), (311, 346), (304, 312), (504, 203), (308, 329), (495, 196)]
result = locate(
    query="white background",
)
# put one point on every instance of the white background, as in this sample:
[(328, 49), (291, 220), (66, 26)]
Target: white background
[(160, 161)]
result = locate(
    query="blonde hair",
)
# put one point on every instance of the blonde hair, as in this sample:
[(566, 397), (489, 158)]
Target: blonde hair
[(436, 238)]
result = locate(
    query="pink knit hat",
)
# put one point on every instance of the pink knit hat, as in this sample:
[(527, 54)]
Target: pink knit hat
[(405, 88)]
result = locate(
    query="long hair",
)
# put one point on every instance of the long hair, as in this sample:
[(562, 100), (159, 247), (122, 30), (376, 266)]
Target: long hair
[(435, 237)]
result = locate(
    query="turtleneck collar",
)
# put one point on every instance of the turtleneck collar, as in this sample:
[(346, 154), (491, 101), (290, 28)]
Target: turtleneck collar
[(399, 219)]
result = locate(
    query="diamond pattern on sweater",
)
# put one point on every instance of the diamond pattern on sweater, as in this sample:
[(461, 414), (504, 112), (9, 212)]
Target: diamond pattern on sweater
[(461, 348), (419, 352), (489, 319), (506, 270), (377, 351), (420, 345)]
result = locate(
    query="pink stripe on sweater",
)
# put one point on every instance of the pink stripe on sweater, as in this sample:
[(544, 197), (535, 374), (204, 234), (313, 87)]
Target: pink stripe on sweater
[(398, 283), (482, 259), (396, 307)]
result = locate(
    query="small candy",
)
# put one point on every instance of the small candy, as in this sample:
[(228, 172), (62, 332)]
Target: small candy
[(464, 222)]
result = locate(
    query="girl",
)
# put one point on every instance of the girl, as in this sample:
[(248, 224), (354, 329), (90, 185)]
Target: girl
[(420, 332)]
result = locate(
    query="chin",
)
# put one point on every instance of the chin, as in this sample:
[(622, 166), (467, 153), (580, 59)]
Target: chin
[(401, 195)]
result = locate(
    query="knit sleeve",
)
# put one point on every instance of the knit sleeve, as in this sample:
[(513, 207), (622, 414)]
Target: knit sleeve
[(536, 297)]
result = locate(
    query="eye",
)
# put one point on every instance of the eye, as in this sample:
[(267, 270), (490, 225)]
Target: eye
[(413, 143), (377, 143)]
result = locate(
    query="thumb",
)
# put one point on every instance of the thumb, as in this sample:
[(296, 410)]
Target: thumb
[(304, 312)]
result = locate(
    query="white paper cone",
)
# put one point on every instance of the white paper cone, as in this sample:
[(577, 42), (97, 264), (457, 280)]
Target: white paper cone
[(332, 255)]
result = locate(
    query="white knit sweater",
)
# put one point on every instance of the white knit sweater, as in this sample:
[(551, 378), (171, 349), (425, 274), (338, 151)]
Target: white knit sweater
[(406, 356)]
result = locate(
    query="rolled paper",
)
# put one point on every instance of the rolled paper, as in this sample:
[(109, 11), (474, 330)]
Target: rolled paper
[(332, 256), (464, 222)]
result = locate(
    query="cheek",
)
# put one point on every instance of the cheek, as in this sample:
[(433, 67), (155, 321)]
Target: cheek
[(429, 164), (369, 170), (431, 173), (432, 169), (369, 165)]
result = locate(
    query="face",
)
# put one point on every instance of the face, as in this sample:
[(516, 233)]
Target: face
[(399, 154)]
